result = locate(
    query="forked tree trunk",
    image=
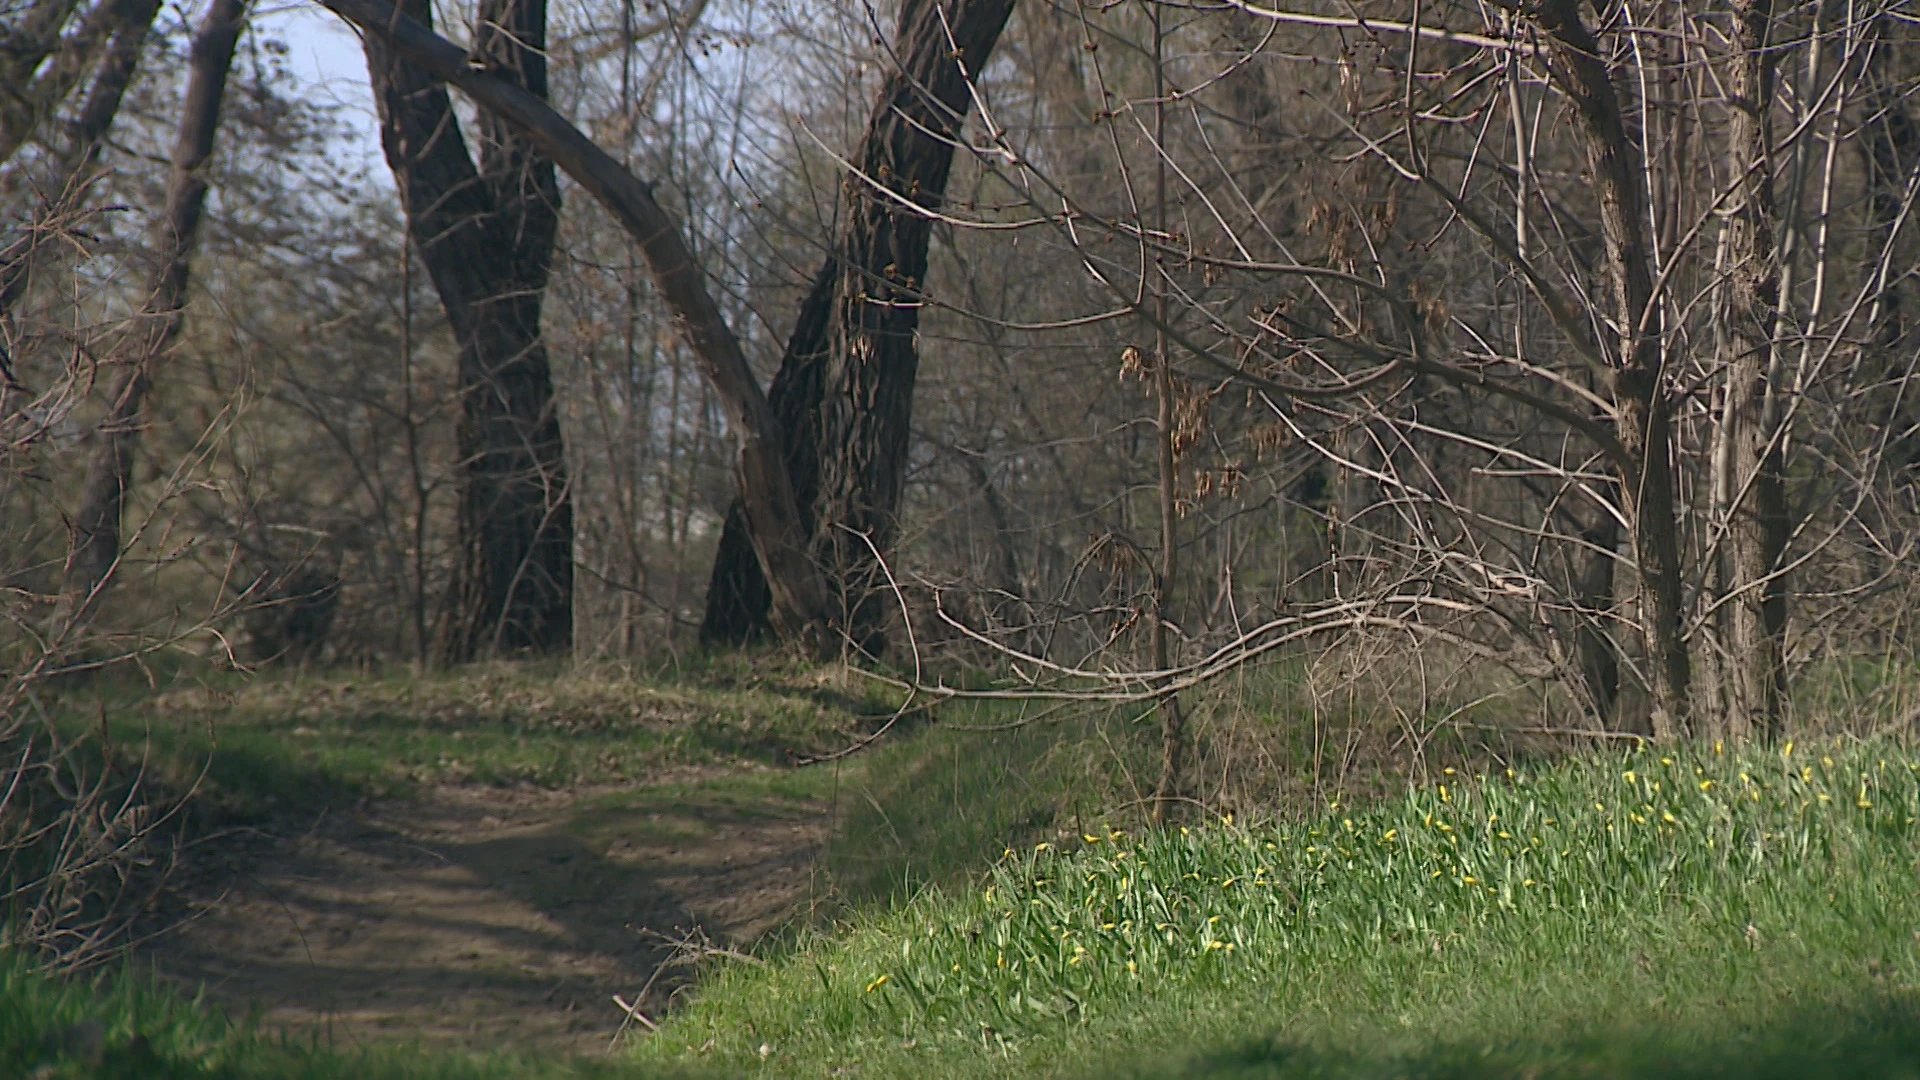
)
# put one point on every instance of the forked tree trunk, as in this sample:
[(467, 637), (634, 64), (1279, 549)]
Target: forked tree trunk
[(844, 391), (486, 236), (1757, 526), (1642, 408), (96, 547)]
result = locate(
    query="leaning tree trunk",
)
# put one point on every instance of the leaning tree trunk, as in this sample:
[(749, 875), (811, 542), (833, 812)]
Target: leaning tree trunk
[(1642, 408), (738, 600), (845, 387), (108, 87), (96, 545), (108, 39), (1757, 517), (774, 523), (486, 235)]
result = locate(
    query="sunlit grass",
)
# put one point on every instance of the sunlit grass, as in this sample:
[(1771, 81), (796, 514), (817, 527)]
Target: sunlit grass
[(254, 744), (1731, 885)]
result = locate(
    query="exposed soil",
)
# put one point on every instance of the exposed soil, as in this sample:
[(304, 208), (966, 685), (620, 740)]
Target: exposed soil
[(483, 917)]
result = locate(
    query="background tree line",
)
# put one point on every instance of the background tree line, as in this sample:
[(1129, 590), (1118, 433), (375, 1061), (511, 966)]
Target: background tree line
[(1556, 352)]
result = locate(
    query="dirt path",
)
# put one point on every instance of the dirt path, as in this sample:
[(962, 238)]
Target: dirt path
[(483, 917)]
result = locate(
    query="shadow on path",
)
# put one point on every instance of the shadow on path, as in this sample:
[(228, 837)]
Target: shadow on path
[(482, 917)]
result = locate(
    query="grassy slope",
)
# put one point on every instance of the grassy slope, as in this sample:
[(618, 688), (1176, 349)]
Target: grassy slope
[(1593, 919)]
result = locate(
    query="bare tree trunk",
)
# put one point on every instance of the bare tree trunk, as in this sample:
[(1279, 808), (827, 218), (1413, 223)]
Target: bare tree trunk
[(1643, 416), (109, 86), (738, 600), (848, 396), (486, 236), (32, 37), (96, 545), (779, 540), (1005, 573), (1716, 575), (1757, 515), (1594, 597), (1173, 728)]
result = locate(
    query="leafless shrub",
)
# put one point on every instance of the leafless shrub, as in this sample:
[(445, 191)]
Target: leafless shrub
[(1517, 345), (84, 847), (86, 835)]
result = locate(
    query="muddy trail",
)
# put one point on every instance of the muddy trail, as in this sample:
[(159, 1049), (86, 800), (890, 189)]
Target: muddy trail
[(481, 917)]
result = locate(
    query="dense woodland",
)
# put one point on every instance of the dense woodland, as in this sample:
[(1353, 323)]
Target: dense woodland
[(1559, 353)]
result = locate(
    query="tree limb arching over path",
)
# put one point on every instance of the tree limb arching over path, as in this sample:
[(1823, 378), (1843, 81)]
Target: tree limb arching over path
[(779, 535)]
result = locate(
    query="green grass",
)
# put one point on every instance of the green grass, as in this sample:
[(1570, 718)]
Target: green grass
[(930, 803), (936, 808), (1610, 916), (305, 740)]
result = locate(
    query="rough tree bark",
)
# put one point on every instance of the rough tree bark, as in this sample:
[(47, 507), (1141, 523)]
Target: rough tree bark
[(486, 236), (779, 540), (1594, 599), (738, 600), (96, 544), (1757, 524), (1642, 408), (845, 387)]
